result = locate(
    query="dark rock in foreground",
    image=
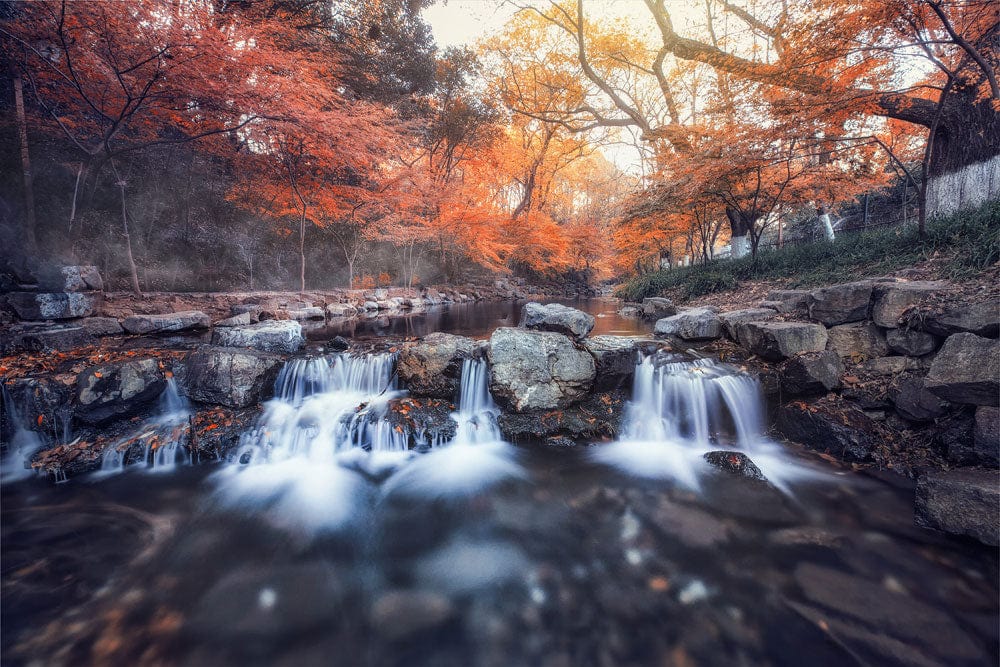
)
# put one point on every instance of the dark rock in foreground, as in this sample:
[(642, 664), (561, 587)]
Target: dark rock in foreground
[(736, 463), (599, 416), (811, 373), (840, 430), (961, 502), (616, 357), (234, 378), (967, 370), (167, 322), (986, 434)]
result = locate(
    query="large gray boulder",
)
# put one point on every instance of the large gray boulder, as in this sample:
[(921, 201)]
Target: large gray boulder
[(81, 279), (691, 324), (982, 319), (557, 318), (967, 370), (734, 318), (53, 305), (283, 336), (615, 357), (961, 502), (538, 370), (840, 304), (912, 400), (433, 367), (104, 393), (167, 322), (789, 301), (225, 376), (811, 373), (774, 341), (911, 342), (890, 301), (858, 340), (986, 434), (657, 307)]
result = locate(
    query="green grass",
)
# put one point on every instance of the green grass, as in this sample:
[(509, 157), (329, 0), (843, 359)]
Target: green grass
[(970, 239)]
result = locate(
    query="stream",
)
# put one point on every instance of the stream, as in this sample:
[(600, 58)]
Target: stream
[(326, 541)]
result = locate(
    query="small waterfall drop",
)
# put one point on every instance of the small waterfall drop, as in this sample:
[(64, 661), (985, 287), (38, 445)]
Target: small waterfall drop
[(477, 413), (681, 410), (163, 438), (23, 442)]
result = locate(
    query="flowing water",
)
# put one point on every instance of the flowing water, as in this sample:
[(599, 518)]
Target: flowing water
[(326, 540)]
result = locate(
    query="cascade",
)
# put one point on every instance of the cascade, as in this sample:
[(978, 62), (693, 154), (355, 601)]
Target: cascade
[(22, 444), (169, 430)]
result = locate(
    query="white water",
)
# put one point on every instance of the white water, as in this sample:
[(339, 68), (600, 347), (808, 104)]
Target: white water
[(680, 411), (22, 444), (169, 431)]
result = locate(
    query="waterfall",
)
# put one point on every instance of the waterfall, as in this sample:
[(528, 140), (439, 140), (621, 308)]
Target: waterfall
[(22, 444), (163, 437), (477, 413), (681, 410)]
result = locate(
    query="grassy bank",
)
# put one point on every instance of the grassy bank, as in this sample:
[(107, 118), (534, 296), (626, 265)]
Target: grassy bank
[(970, 239)]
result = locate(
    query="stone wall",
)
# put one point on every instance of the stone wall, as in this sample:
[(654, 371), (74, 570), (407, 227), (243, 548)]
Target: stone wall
[(966, 188)]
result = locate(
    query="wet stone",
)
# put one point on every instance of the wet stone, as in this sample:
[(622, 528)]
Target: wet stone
[(735, 463), (167, 322), (961, 502), (108, 392), (399, 615), (557, 318)]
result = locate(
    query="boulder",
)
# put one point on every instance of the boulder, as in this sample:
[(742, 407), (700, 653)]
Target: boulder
[(859, 340), (912, 400), (34, 338), (53, 306), (433, 367), (104, 393), (630, 310), (234, 378), (967, 370), (834, 428), (773, 341), (615, 357), (911, 342), (811, 373), (39, 404), (733, 318), (102, 326), (426, 420), (840, 304), (557, 318), (253, 309), (166, 322), (598, 415), (691, 324), (735, 463), (982, 319), (283, 336), (81, 279), (789, 301), (886, 366), (339, 344), (890, 301), (307, 313), (241, 320), (340, 310), (961, 502), (538, 370), (656, 307), (370, 305), (986, 434)]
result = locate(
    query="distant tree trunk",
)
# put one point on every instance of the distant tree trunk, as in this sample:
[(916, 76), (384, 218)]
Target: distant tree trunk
[(826, 224), (30, 240), (133, 271), (76, 192), (302, 250)]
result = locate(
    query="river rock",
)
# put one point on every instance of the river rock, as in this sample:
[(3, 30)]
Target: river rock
[(840, 304), (433, 367), (986, 434), (557, 318), (598, 415), (102, 326), (616, 357), (284, 336), (401, 614), (982, 319), (859, 340), (166, 322), (773, 341), (426, 420), (306, 313), (912, 400), (340, 310), (241, 320), (837, 429), (252, 309), (811, 373), (890, 301), (734, 318), (36, 337), (961, 502), (630, 310), (104, 393), (538, 370), (691, 324), (39, 404), (967, 370), (81, 279), (735, 463), (35, 306), (911, 342), (789, 301), (657, 307), (234, 378)]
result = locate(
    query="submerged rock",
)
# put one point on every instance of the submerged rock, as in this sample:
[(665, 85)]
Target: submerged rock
[(538, 370), (104, 393), (557, 318), (961, 502), (433, 367), (401, 614), (283, 336), (235, 378), (691, 324), (839, 304), (774, 341), (736, 463), (166, 322), (967, 370)]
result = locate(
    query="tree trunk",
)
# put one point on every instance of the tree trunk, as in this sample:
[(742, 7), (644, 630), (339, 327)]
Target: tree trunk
[(302, 250), (30, 239), (739, 227), (133, 271)]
